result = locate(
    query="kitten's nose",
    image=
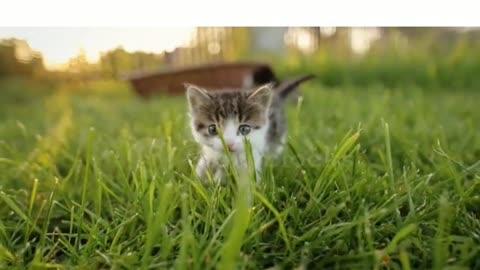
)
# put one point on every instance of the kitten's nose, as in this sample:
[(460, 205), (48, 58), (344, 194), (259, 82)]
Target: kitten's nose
[(230, 147)]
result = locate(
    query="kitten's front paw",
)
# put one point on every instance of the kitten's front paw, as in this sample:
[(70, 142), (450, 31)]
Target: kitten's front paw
[(217, 178)]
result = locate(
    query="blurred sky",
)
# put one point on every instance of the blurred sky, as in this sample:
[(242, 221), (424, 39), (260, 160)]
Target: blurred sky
[(59, 44)]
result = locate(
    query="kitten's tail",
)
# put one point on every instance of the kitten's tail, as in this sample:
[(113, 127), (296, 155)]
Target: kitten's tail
[(285, 88)]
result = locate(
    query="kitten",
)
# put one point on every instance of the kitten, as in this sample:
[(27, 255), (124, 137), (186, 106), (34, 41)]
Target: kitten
[(256, 115)]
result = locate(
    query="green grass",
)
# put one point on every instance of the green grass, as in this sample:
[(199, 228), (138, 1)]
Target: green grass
[(373, 178)]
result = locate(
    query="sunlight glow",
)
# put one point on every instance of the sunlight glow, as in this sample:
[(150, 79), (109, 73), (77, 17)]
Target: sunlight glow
[(300, 38), (58, 45), (328, 31), (214, 47), (361, 38)]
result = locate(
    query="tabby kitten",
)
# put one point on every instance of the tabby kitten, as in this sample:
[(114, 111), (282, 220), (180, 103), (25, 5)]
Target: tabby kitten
[(256, 115)]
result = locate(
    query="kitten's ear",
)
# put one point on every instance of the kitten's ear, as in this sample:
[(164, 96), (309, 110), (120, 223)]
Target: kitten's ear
[(263, 94), (196, 95)]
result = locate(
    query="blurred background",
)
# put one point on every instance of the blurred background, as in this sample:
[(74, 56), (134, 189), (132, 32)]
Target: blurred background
[(427, 57)]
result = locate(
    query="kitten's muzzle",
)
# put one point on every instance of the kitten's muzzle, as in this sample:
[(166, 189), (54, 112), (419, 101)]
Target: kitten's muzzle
[(230, 147)]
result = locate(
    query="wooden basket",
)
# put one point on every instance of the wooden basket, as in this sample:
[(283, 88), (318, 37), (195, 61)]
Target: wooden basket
[(216, 76)]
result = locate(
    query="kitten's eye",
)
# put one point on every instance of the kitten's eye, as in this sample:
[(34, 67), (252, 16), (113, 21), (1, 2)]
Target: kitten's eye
[(212, 130), (244, 129)]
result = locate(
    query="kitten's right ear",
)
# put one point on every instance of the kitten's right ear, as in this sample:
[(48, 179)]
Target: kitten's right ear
[(196, 95), (262, 95)]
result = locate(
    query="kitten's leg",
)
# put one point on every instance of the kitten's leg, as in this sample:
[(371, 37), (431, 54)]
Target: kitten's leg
[(201, 169), (280, 147), (219, 176), (204, 167)]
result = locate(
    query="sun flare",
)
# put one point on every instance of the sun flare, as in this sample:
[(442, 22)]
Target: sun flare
[(59, 45)]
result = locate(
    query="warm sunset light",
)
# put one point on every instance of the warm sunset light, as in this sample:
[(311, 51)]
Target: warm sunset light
[(312, 147), (58, 44)]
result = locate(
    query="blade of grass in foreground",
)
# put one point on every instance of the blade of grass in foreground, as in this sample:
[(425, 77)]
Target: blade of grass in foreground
[(441, 241), (388, 150), (278, 217), (182, 258), (239, 226), (91, 136), (5, 255), (325, 179), (156, 224), (33, 196), (15, 208), (242, 209)]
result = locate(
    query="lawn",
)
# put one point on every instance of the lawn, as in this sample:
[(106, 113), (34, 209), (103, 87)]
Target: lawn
[(373, 178)]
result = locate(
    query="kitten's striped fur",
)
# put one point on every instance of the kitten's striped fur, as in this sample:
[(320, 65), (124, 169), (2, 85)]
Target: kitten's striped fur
[(259, 111)]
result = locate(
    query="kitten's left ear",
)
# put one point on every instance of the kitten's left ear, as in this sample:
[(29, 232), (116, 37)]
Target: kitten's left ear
[(196, 95), (263, 94)]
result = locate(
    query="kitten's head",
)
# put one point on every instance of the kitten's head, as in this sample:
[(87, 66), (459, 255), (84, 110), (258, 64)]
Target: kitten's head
[(235, 114)]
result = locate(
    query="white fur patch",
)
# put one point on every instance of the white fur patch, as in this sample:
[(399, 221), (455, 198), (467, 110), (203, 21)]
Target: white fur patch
[(213, 151)]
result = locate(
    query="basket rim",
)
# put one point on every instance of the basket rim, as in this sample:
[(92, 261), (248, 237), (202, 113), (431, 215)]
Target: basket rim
[(132, 76)]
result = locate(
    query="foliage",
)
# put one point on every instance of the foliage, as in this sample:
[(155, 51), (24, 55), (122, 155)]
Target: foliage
[(423, 63), (10, 65), (371, 179), (428, 57), (118, 61)]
